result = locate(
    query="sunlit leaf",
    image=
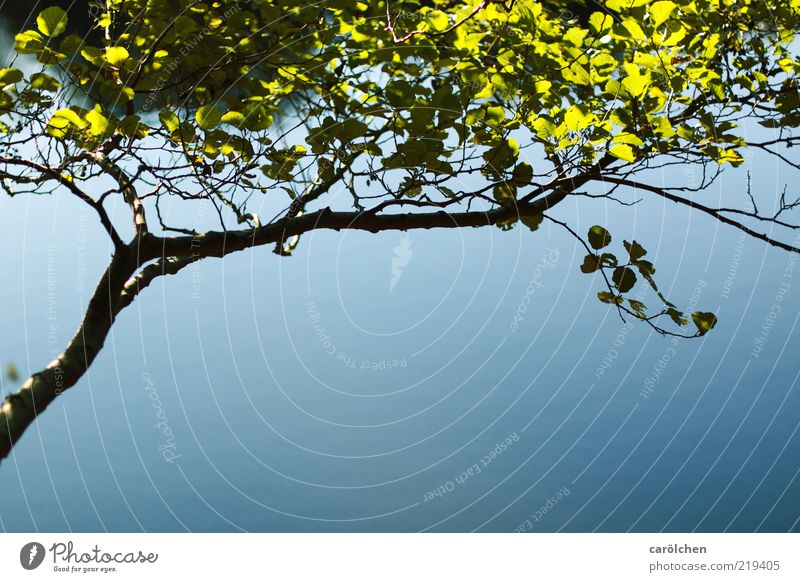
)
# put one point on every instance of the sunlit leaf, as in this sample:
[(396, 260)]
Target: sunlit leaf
[(116, 55), (704, 321), (52, 21)]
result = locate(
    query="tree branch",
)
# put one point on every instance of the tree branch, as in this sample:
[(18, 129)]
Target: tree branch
[(126, 187), (120, 285), (715, 212), (19, 410), (53, 174), (219, 244)]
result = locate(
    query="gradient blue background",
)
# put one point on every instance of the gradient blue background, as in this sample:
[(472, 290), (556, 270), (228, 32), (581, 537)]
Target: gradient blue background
[(275, 434)]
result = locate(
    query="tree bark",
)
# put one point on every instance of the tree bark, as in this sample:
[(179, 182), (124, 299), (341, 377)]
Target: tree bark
[(19, 410), (219, 244)]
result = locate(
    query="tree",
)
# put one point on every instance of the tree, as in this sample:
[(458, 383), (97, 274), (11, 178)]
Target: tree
[(428, 114)]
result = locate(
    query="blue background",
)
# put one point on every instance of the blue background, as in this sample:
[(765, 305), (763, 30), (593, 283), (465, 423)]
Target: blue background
[(273, 433)]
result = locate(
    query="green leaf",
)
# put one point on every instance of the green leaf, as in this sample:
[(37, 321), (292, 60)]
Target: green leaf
[(28, 42), (704, 321), (169, 120), (116, 55), (623, 151), (505, 193), (599, 237), (98, 123), (131, 126), (400, 94), (523, 174), (635, 250), (502, 155), (52, 21), (208, 117), (351, 129), (635, 82), (590, 264), (624, 279), (607, 297), (677, 316), (44, 82), (116, 94), (638, 307), (12, 372), (256, 117), (10, 76), (608, 260), (661, 11), (646, 268), (233, 118), (71, 44), (532, 222)]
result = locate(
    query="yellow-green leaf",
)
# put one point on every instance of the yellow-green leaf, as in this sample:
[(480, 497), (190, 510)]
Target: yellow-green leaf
[(620, 5), (98, 123), (437, 20), (577, 118), (599, 237), (661, 11), (623, 152), (628, 138), (704, 321), (116, 55), (28, 42), (63, 122), (635, 82), (44, 82), (10, 76), (69, 116), (131, 126), (52, 21), (233, 118), (600, 21), (545, 128), (634, 29), (169, 120), (92, 54), (208, 117)]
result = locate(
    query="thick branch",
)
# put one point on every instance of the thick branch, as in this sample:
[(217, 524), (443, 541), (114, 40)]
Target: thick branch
[(219, 244), (21, 409), (150, 273)]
